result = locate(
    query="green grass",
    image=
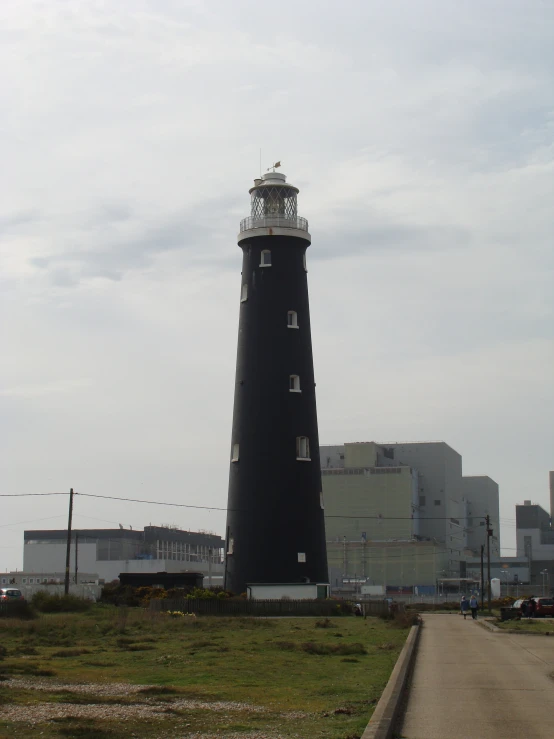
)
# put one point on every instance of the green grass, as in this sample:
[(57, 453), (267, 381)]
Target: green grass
[(304, 680), (528, 626)]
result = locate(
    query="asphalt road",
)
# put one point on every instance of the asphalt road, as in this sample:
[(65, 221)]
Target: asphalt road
[(468, 681)]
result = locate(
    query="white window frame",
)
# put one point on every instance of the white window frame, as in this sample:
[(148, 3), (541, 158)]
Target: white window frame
[(303, 449), (244, 293), (294, 384), (235, 456), (294, 318), (265, 251)]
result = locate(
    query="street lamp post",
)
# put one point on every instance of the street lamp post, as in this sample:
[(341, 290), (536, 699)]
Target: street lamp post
[(544, 574)]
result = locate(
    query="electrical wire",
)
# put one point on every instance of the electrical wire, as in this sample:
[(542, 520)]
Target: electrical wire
[(215, 508)]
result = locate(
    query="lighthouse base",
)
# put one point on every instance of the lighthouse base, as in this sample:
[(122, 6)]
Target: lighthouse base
[(288, 591)]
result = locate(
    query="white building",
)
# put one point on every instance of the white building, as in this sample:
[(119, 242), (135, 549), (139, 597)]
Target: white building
[(107, 552)]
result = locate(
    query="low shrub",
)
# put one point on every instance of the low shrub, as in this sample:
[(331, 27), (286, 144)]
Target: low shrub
[(21, 609), (54, 603), (325, 623), (311, 647), (3, 652), (77, 652)]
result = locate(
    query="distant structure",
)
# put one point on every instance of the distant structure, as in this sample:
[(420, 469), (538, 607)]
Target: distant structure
[(402, 516), (275, 523), (107, 552), (535, 541)]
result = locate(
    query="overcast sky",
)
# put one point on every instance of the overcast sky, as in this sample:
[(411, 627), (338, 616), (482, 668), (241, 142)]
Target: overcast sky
[(420, 135)]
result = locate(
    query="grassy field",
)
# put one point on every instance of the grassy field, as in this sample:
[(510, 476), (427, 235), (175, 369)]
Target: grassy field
[(528, 626), (118, 673)]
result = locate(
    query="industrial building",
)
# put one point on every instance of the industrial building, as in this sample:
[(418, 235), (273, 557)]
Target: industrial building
[(108, 552), (535, 541), (402, 515)]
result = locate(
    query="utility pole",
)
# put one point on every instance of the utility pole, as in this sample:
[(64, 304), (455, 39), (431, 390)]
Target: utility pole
[(68, 551), (482, 576), (489, 534), (76, 555)]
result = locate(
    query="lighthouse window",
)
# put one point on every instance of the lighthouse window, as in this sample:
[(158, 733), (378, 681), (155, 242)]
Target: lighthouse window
[(303, 448), (294, 384), (265, 258), (244, 294), (304, 262), (235, 457), (292, 319)]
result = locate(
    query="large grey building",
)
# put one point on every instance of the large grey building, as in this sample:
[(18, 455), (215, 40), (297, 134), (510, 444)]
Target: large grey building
[(481, 496), (402, 514)]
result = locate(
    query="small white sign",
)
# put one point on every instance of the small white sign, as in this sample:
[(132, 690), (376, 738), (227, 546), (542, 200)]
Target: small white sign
[(301, 556)]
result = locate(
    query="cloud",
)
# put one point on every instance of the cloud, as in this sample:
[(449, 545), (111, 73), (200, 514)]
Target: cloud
[(420, 137)]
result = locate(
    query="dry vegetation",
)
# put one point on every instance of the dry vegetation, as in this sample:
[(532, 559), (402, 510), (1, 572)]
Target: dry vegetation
[(117, 673)]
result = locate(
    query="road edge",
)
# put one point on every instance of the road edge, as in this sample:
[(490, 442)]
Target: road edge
[(385, 716)]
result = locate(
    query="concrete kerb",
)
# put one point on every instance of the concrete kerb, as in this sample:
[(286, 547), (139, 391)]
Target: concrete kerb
[(386, 714)]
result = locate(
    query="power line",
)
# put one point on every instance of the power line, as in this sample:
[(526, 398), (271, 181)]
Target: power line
[(215, 508), (26, 495), (152, 502), (34, 520)]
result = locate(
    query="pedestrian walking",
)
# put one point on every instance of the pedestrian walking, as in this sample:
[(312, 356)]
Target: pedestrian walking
[(531, 607), (523, 608), (464, 606), (474, 605)]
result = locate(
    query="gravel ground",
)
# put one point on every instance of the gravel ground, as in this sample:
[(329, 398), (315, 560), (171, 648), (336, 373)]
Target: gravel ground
[(147, 708)]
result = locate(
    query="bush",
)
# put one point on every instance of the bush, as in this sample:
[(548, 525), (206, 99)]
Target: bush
[(20, 609), (47, 603), (119, 595), (77, 652), (325, 623)]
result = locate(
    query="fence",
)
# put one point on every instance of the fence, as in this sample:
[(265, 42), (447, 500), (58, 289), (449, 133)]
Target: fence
[(241, 607)]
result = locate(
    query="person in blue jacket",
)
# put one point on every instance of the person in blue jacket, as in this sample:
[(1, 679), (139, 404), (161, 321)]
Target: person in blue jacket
[(464, 606), (474, 605)]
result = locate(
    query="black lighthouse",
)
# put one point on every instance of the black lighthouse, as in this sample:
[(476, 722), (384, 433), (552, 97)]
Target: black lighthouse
[(275, 522)]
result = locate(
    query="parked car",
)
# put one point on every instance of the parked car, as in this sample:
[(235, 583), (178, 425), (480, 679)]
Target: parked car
[(545, 607), (11, 595), (517, 604)]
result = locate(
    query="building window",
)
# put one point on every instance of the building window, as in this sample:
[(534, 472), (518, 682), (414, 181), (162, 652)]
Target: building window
[(304, 262), (265, 259), (294, 384), (24, 581), (4, 581), (231, 546), (301, 556), (437, 502), (235, 457), (322, 506), (303, 448), (292, 319), (244, 294), (31, 580), (422, 500)]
